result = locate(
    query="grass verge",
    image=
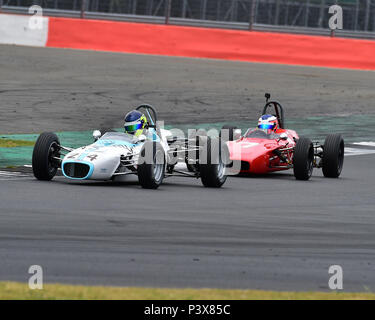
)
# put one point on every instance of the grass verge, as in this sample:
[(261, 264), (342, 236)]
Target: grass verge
[(10, 143), (14, 290)]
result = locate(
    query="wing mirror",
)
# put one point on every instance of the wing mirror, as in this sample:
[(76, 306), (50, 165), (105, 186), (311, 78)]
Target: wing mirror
[(96, 135), (283, 136)]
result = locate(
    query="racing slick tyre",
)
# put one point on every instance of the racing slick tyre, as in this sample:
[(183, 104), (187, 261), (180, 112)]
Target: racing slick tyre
[(303, 159), (333, 155), (151, 165), (231, 132), (46, 148), (191, 166), (212, 162)]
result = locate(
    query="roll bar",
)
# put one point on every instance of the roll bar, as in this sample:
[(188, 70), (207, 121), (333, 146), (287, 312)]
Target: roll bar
[(279, 110), (152, 116)]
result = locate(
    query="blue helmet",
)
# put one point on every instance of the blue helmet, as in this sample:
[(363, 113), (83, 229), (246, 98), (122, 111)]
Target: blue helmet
[(135, 122)]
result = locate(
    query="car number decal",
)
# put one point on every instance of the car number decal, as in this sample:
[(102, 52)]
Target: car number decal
[(92, 157)]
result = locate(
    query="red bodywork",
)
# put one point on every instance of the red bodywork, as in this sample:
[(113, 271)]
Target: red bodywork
[(257, 154)]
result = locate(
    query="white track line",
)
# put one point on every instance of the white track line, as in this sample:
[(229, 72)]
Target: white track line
[(357, 152), (365, 143), (12, 175)]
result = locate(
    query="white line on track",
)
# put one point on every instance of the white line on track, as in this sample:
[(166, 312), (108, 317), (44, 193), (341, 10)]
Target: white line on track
[(357, 152), (365, 143), (12, 175)]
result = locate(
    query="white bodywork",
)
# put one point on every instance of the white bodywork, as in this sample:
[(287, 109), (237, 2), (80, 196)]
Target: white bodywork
[(103, 157)]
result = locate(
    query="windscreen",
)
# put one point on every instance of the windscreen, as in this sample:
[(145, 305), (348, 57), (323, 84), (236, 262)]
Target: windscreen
[(117, 136), (260, 134)]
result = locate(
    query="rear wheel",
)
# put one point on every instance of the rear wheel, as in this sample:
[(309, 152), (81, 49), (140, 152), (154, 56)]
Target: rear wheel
[(151, 165), (46, 149), (303, 159), (333, 155), (212, 162)]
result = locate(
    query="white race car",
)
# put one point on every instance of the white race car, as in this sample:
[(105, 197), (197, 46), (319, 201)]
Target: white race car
[(152, 157)]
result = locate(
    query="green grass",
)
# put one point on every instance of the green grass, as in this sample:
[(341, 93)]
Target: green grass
[(14, 290), (10, 143)]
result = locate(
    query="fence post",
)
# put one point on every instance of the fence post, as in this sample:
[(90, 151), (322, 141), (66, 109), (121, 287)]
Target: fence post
[(321, 13), (83, 8), (168, 7), (367, 15), (277, 12), (252, 14), (1, 5)]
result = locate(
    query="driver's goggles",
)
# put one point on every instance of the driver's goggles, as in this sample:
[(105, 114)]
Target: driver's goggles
[(266, 126), (133, 127)]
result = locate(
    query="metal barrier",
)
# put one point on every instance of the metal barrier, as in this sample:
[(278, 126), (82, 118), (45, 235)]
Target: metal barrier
[(358, 15)]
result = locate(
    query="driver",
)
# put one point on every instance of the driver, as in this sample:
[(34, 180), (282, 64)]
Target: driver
[(135, 123), (268, 123)]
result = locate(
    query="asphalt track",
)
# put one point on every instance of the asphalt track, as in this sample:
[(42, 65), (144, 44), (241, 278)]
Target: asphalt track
[(67, 90), (261, 233)]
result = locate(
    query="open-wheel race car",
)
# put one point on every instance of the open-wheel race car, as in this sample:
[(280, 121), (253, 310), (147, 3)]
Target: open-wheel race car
[(271, 147), (151, 157)]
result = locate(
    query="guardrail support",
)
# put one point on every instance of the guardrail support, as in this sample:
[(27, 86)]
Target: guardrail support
[(367, 15), (252, 14), (168, 7), (83, 9)]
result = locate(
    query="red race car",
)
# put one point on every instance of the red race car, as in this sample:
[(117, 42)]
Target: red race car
[(271, 147)]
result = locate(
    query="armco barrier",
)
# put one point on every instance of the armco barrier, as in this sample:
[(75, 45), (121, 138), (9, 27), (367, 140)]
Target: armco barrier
[(209, 43)]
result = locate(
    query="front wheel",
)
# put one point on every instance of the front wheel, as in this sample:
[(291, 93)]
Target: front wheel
[(151, 165), (213, 159), (303, 159), (46, 150), (333, 155)]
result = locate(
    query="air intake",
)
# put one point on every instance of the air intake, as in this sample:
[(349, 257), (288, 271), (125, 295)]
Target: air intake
[(76, 170)]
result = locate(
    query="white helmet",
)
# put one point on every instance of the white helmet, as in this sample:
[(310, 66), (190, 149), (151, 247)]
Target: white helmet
[(268, 123)]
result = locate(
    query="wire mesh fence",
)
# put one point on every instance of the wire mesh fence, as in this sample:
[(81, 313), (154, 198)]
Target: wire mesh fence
[(358, 15)]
